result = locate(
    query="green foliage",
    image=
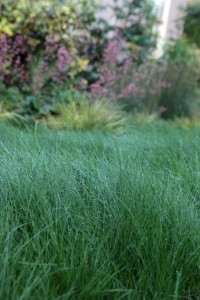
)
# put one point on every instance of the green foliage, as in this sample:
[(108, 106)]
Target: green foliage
[(6, 115), (67, 95), (91, 216), (49, 48), (180, 100), (38, 19), (182, 70), (144, 118), (10, 97), (137, 20), (189, 123), (85, 114), (192, 22), (134, 23), (40, 44), (182, 52)]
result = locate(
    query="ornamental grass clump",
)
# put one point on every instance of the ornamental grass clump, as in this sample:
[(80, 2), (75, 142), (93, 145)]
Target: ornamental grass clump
[(85, 115)]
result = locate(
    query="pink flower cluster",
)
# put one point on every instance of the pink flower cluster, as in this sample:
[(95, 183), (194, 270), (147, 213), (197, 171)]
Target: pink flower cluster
[(124, 80), (20, 64), (64, 58), (112, 52)]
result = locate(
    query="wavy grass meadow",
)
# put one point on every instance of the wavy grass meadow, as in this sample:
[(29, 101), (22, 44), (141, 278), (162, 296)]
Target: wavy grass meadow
[(88, 215)]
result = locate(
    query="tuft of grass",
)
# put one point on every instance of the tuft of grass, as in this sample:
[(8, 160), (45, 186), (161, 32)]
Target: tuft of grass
[(86, 115), (8, 115), (144, 118), (84, 215), (188, 123)]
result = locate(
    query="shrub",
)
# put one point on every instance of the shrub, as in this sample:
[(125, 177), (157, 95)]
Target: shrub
[(87, 114), (18, 65), (182, 64), (134, 22), (180, 99), (192, 22), (121, 79), (65, 20), (181, 52), (10, 97), (50, 43), (40, 46), (30, 78)]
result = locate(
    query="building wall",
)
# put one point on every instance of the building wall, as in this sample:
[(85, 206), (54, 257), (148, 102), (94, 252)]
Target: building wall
[(175, 20), (170, 13), (106, 11), (171, 22)]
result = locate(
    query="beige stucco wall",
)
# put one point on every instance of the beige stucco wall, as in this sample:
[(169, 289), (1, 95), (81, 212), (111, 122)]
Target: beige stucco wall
[(175, 20), (170, 14), (106, 11), (171, 22)]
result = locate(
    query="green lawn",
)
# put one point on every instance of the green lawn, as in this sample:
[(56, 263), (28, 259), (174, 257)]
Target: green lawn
[(95, 216)]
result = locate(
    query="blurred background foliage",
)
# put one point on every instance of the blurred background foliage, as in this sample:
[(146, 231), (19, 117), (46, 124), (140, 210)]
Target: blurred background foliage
[(65, 20), (192, 23), (61, 51)]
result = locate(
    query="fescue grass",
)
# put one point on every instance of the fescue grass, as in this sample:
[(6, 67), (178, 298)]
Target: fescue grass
[(86, 215)]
